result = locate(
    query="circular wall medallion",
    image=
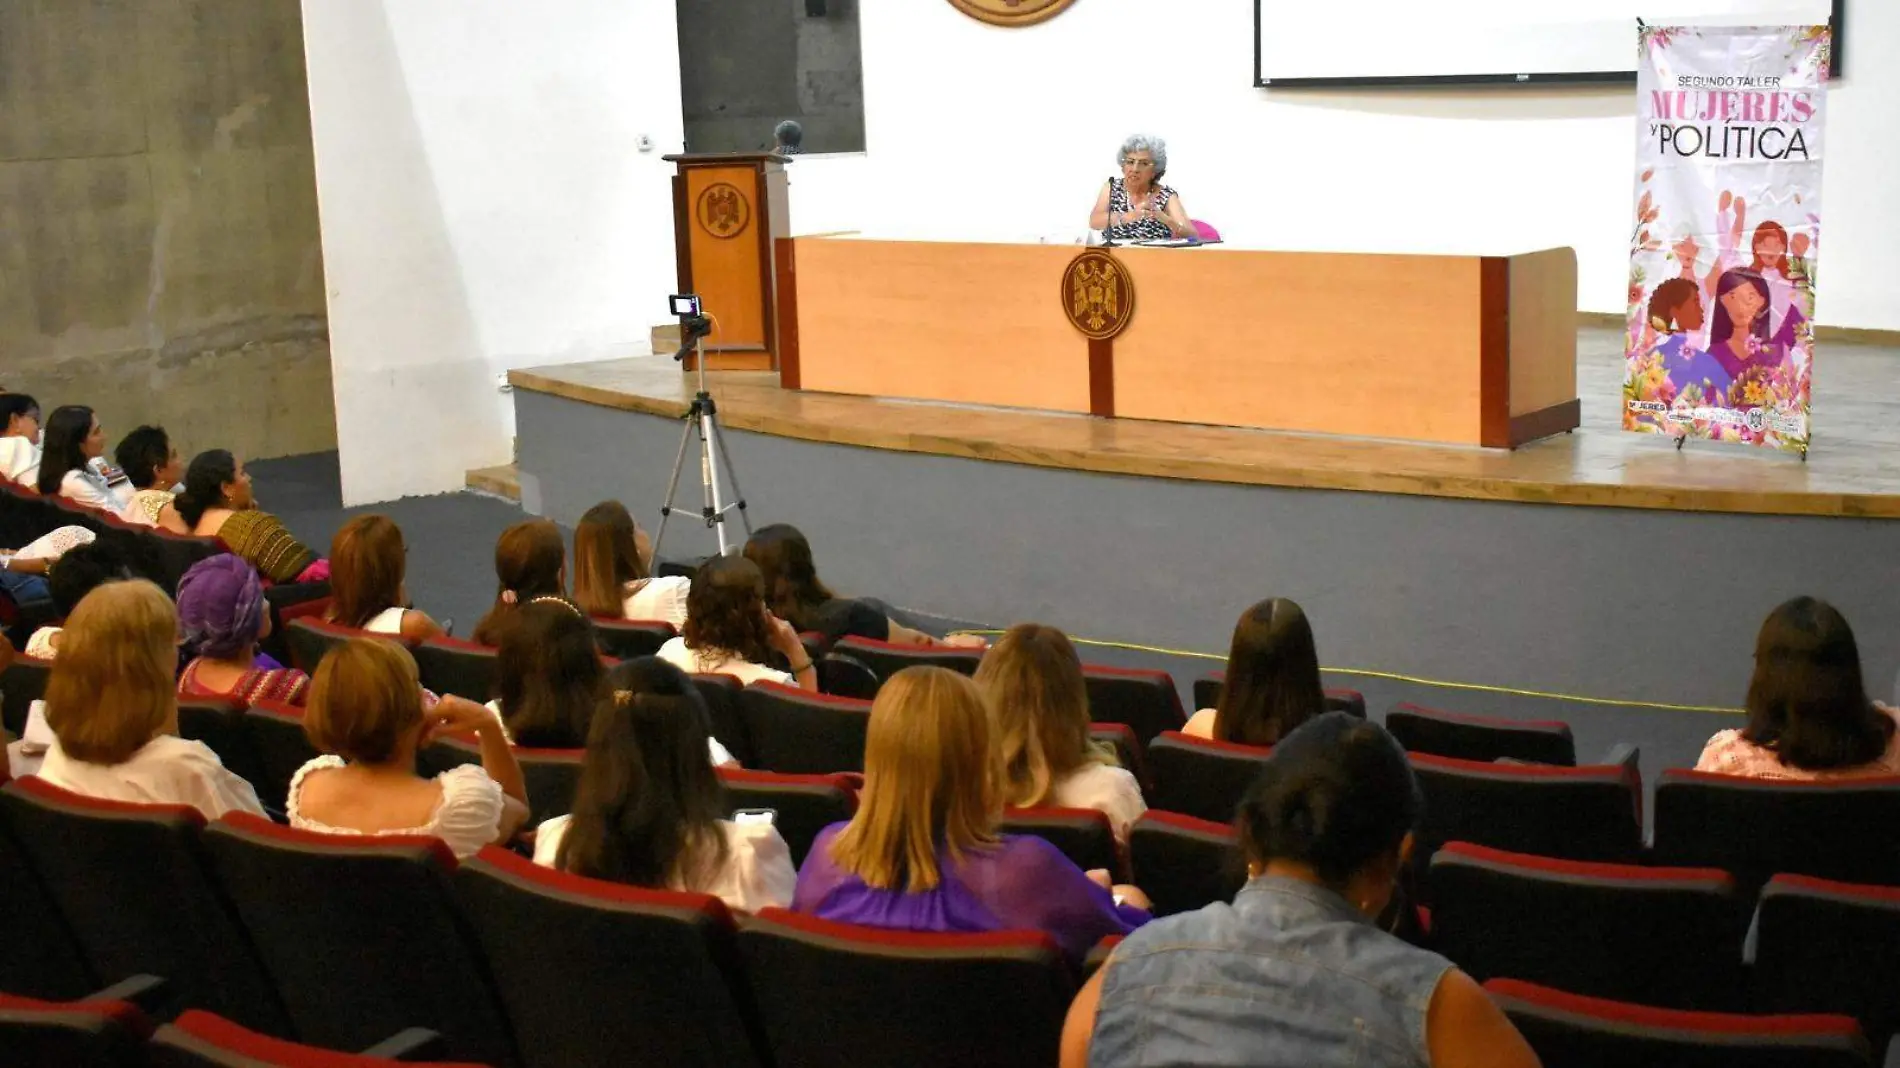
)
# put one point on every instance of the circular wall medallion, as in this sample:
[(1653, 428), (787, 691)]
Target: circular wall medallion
[(1098, 296), (1011, 12), (723, 210)]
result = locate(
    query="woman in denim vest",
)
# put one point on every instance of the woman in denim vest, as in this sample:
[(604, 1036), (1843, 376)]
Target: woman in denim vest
[(1295, 973)]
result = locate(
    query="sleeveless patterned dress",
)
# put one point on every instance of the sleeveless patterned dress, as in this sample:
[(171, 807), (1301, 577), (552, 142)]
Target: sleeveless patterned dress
[(1147, 229)]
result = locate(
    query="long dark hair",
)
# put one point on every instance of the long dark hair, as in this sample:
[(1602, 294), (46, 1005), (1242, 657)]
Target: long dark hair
[(792, 589), (606, 558), (548, 675), (1272, 676), (530, 561), (205, 480), (62, 445), (1723, 326), (1807, 700), (648, 807), (724, 610)]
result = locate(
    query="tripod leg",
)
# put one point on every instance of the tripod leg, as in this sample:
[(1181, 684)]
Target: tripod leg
[(709, 474), (673, 484), (732, 474)]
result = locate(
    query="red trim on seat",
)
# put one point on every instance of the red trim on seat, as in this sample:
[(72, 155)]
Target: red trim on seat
[(259, 827), (1055, 814), (1181, 822), (1674, 1019), (1711, 778), (1886, 895), (1352, 695), (1482, 721), (460, 645), (1635, 873), (849, 640), (1195, 742), (896, 939), (811, 697), (634, 624), (124, 1013), (516, 866), (836, 780), (1110, 671), (311, 609), (1617, 773), (718, 678), (225, 1035), (37, 787)]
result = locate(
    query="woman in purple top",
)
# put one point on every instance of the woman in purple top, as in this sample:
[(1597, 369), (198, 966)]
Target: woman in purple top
[(1739, 338), (1675, 310), (923, 852)]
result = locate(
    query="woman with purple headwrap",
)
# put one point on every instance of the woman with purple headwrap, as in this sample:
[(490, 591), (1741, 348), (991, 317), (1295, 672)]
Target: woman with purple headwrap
[(221, 617)]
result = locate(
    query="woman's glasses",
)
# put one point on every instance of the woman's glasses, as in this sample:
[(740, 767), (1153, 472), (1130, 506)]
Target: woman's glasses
[(1144, 164)]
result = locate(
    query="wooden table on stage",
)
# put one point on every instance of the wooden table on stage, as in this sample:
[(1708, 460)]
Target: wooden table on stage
[(1469, 350)]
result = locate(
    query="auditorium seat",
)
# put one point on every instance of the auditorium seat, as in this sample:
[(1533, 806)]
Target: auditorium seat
[(1758, 828), (1084, 835), (311, 637), (1464, 737), (596, 972), (1825, 946), (805, 804), (176, 553), (550, 775), (721, 694), (220, 723), (1183, 863), (832, 994), (278, 739), (287, 603), (887, 659), (463, 668), (203, 1040), (1657, 936), (803, 733), (625, 639), (1099, 954), (362, 935), (23, 683), (1207, 694), (1572, 1031), (103, 1030), (137, 892), (846, 676), (48, 964), (1144, 700), (1121, 738), (1590, 813), (1200, 777)]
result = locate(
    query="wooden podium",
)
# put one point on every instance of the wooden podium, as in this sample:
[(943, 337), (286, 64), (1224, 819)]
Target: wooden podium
[(728, 208)]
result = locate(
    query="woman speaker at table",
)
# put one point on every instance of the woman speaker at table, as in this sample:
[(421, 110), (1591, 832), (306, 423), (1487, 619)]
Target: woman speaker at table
[(1136, 206)]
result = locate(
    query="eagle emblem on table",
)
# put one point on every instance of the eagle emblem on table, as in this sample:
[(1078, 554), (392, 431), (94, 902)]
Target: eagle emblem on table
[(723, 210), (1098, 295)]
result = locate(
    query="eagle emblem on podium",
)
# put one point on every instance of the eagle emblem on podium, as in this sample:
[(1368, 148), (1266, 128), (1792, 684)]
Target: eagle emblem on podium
[(1011, 12), (723, 211), (1097, 295)]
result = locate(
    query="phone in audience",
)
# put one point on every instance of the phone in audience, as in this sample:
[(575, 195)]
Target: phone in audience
[(749, 816)]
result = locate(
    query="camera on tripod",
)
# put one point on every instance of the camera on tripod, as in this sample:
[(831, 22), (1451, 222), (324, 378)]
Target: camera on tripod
[(693, 322)]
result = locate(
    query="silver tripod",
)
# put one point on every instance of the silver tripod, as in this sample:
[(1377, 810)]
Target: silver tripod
[(702, 424)]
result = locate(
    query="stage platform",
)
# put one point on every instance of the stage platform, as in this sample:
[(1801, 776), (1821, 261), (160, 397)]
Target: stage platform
[(1853, 469)]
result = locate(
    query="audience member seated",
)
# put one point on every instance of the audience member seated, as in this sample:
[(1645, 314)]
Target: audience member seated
[(368, 565), (1295, 970), (530, 562), (651, 675), (20, 439), (23, 572), (1809, 717), (548, 675), (366, 715), (72, 576), (923, 852), (72, 465), (650, 811), (1032, 680), (612, 565), (152, 465), (222, 616), (795, 594), (217, 502), (729, 631), (1272, 681), (112, 709)]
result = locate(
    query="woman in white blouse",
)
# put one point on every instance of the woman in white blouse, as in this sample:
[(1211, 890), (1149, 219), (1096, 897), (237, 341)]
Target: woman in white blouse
[(366, 713), (71, 464), (112, 706), (729, 631), (1032, 681), (368, 566), (612, 570), (649, 810), (19, 438)]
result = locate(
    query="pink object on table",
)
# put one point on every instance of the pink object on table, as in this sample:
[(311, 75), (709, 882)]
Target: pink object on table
[(1206, 230)]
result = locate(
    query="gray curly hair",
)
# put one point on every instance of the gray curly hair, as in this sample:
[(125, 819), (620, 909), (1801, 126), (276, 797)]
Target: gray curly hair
[(1150, 144)]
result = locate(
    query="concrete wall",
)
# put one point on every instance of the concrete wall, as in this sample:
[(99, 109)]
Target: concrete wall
[(746, 66), (159, 254)]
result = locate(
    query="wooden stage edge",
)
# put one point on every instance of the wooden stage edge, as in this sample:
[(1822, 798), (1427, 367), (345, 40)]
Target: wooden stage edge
[(1853, 472)]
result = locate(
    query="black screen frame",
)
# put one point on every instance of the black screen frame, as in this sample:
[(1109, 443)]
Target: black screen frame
[(1837, 19)]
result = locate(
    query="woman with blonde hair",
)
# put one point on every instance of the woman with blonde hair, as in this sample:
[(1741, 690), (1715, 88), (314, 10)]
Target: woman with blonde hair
[(923, 852), (612, 562), (530, 562), (366, 714), (368, 565), (1032, 680), (114, 714)]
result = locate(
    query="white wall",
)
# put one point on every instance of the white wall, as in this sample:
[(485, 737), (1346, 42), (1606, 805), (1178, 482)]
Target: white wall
[(484, 206)]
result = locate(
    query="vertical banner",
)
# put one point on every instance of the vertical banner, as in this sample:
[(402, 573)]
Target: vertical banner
[(1720, 339)]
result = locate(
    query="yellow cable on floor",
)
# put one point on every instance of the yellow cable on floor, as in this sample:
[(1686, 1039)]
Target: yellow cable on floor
[(1394, 676)]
